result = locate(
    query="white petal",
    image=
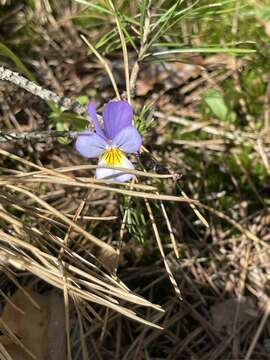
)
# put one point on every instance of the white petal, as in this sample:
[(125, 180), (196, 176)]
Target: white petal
[(114, 175)]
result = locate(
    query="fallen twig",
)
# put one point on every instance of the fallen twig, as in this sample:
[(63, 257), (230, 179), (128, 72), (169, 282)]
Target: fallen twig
[(47, 95), (39, 136)]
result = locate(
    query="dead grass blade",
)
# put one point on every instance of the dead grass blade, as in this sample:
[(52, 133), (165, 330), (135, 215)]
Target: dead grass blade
[(66, 220), (166, 263)]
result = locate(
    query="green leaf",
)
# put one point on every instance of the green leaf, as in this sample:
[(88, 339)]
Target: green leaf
[(76, 122), (5, 51), (234, 51), (82, 99), (99, 8), (160, 25), (108, 37), (264, 12), (62, 127), (216, 104)]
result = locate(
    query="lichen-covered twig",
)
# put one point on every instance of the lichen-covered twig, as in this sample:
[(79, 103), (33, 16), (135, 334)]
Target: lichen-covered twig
[(37, 136), (47, 95)]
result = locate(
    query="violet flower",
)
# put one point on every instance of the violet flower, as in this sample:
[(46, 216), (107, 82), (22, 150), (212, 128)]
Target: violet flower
[(118, 136)]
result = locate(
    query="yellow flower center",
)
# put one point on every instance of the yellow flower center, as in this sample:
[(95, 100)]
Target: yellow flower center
[(112, 156)]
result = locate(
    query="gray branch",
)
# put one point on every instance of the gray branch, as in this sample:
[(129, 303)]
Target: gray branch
[(47, 95), (38, 136)]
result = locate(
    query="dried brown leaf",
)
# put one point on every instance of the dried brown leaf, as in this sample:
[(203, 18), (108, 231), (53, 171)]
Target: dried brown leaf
[(41, 331)]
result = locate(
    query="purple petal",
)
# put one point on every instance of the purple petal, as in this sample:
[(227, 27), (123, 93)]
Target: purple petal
[(128, 140), (116, 116), (90, 144), (91, 109)]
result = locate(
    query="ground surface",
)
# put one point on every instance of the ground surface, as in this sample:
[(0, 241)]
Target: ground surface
[(201, 101)]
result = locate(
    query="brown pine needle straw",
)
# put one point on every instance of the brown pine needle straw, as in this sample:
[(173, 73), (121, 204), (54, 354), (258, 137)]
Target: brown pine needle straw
[(60, 215), (159, 242), (138, 194), (55, 279), (105, 64), (124, 49), (52, 273)]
